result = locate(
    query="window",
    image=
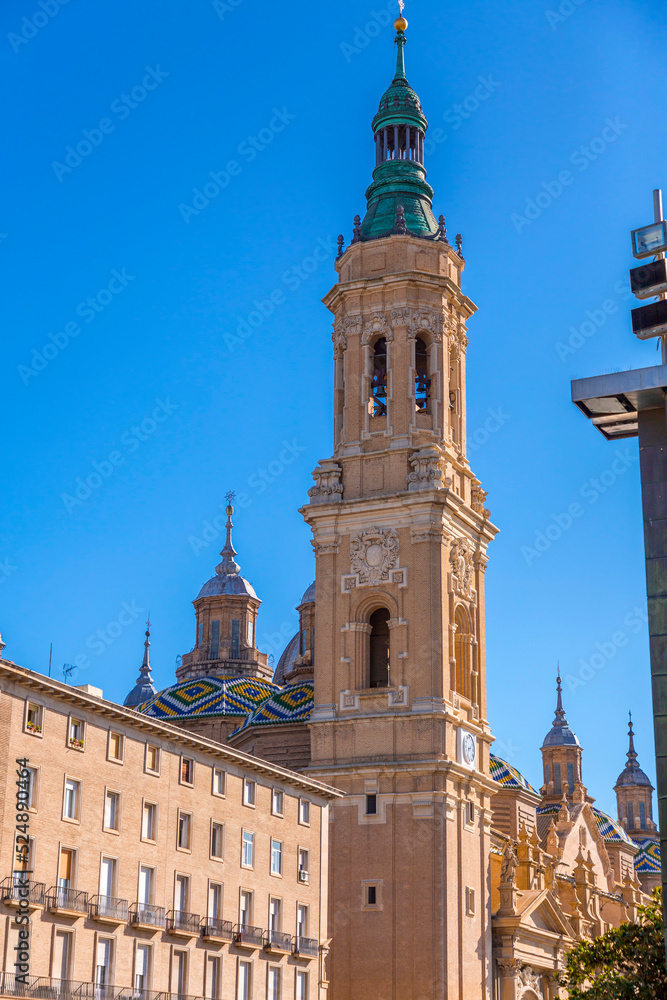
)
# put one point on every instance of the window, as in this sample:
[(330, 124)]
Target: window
[(301, 921), (251, 631), (149, 821), (142, 967), (213, 965), (642, 815), (111, 811), (422, 381), (304, 812), (214, 648), (31, 787), (245, 908), (243, 982), (276, 857), (187, 771), (371, 805), (570, 778), (546, 772), (249, 792), (273, 983), (301, 985), (463, 650), (470, 813), (108, 869), (146, 885), (219, 782), (379, 649), (184, 831), (76, 733), (116, 747), (200, 634), (72, 799), (277, 802), (152, 759), (24, 855), (378, 403), (66, 867), (303, 865), (34, 718), (179, 973), (371, 898), (103, 975), (631, 816), (182, 893), (235, 640), (214, 901), (558, 784), (217, 847), (470, 901), (62, 955), (247, 849), (275, 914)]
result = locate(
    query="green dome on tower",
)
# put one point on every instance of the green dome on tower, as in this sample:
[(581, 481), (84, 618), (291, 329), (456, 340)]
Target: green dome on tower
[(399, 200)]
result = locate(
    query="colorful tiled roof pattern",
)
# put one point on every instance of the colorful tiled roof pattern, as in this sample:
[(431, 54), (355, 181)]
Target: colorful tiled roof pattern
[(610, 829), (647, 859), (209, 696), (293, 703), (508, 776)]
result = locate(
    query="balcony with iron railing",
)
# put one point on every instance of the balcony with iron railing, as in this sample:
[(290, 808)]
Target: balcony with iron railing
[(14, 890), (46, 988), (183, 924), (109, 910), (277, 941), (69, 902), (246, 936), (306, 947), (213, 929), (147, 915)]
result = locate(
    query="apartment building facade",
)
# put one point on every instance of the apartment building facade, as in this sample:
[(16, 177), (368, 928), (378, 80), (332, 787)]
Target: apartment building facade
[(157, 862)]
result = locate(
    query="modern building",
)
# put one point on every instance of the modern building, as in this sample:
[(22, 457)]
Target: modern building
[(159, 862)]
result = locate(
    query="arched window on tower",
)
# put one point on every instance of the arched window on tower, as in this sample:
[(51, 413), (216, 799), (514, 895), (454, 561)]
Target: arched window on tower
[(422, 381), (462, 652), (379, 649), (379, 379)]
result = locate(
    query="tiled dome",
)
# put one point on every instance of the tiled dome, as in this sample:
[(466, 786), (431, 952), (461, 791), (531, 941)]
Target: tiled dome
[(647, 859), (291, 704), (209, 696), (508, 776)]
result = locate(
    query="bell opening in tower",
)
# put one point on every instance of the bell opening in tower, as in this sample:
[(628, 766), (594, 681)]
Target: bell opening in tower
[(379, 379), (422, 381), (379, 649)]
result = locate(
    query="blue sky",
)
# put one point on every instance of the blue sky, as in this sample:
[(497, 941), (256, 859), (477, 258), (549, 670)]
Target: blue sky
[(137, 287)]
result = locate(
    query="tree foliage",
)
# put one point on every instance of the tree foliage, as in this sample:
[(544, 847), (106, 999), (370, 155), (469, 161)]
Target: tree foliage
[(625, 963)]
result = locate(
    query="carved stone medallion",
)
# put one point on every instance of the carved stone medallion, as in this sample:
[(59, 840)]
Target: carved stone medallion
[(461, 562), (373, 553)]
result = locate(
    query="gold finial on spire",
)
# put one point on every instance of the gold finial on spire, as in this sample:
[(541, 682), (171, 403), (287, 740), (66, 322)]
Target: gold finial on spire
[(400, 23)]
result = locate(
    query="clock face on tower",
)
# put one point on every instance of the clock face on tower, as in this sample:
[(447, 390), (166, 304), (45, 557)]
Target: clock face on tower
[(469, 748)]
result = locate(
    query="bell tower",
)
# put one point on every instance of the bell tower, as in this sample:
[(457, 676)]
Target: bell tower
[(400, 533)]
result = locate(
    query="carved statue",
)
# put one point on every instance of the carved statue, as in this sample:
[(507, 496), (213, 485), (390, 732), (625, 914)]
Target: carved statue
[(509, 864)]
